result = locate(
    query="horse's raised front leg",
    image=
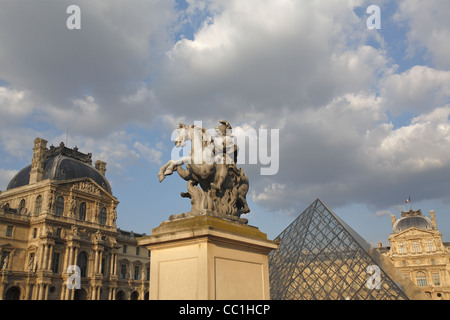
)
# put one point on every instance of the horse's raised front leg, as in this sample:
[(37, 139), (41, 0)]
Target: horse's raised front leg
[(163, 172), (170, 166)]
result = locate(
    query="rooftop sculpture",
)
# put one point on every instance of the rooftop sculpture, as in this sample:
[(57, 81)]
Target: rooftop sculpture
[(211, 165)]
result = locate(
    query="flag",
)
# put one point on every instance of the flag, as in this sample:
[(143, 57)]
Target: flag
[(408, 200)]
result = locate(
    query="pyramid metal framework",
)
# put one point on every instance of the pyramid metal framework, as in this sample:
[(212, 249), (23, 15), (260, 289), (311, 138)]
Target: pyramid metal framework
[(320, 257)]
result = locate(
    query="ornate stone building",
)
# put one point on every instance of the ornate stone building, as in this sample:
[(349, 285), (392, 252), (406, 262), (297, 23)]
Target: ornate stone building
[(60, 212), (417, 251)]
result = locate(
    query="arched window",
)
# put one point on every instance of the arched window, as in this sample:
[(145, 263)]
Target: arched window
[(421, 279), (103, 216), (13, 293), (59, 206), (80, 294), (82, 263), (120, 295), (134, 296), (82, 211), (37, 205)]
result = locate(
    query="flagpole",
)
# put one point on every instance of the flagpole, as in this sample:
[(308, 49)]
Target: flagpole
[(408, 200)]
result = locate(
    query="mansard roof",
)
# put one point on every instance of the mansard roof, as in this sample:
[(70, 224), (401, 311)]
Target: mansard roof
[(62, 163)]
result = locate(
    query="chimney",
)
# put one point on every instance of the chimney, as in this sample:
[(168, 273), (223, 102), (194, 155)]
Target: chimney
[(433, 219), (37, 163), (393, 219), (100, 166)]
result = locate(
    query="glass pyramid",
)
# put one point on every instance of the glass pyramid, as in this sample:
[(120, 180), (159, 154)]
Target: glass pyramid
[(320, 257)]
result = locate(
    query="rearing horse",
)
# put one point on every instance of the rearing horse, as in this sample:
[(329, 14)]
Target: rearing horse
[(228, 188), (200, 163)]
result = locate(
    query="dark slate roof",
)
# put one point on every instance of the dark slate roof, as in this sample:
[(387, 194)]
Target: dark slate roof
[(61, 167), (407, 222)]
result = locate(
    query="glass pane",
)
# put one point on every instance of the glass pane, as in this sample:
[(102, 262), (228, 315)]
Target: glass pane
[(321, 258)]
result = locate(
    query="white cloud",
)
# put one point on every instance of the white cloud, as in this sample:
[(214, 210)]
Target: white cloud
[(150, 154), (303, 67), (417, 90), (429, 28), (14, 105), (265, 55), (80, 78), (5, 177)]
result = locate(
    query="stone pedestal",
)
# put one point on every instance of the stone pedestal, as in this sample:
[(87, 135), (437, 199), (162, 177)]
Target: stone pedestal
[(208, 258)]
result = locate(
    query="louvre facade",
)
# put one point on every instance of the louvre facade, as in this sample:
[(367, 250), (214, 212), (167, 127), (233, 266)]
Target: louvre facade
[(321, 258), (417, 251), (60, 212)]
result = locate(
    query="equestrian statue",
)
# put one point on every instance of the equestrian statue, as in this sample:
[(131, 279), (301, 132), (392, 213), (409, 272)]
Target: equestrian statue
[(211, 165)]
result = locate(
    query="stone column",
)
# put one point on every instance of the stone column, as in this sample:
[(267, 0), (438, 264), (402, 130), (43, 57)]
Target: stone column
[(27, 291), (45, 257), (40, 258), (50, 256), (63, 291), (95, 262), (113, 293), (99, 288), (75, 255), (40, 291), (3, 283), (46, 288), (66, 258), (111, 263), (115, 264), (70, 259), (100, 257)]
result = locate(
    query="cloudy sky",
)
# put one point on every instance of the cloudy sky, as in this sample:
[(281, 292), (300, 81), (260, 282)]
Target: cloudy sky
[(362, 115)]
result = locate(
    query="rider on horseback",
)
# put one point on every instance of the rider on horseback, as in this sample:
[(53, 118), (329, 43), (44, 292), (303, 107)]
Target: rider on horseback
[(225, 151)]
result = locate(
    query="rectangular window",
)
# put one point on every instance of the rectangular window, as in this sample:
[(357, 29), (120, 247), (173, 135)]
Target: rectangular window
[(136, 273), (415, 246), (137, 251), (436, 280), (34, 233), (123, 271), (430, 245), (55, 262), (9, 231), (421, 279), (102, 269), (125, 249)]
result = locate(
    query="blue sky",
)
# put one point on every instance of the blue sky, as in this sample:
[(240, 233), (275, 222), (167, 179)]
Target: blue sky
[(363, 114)]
